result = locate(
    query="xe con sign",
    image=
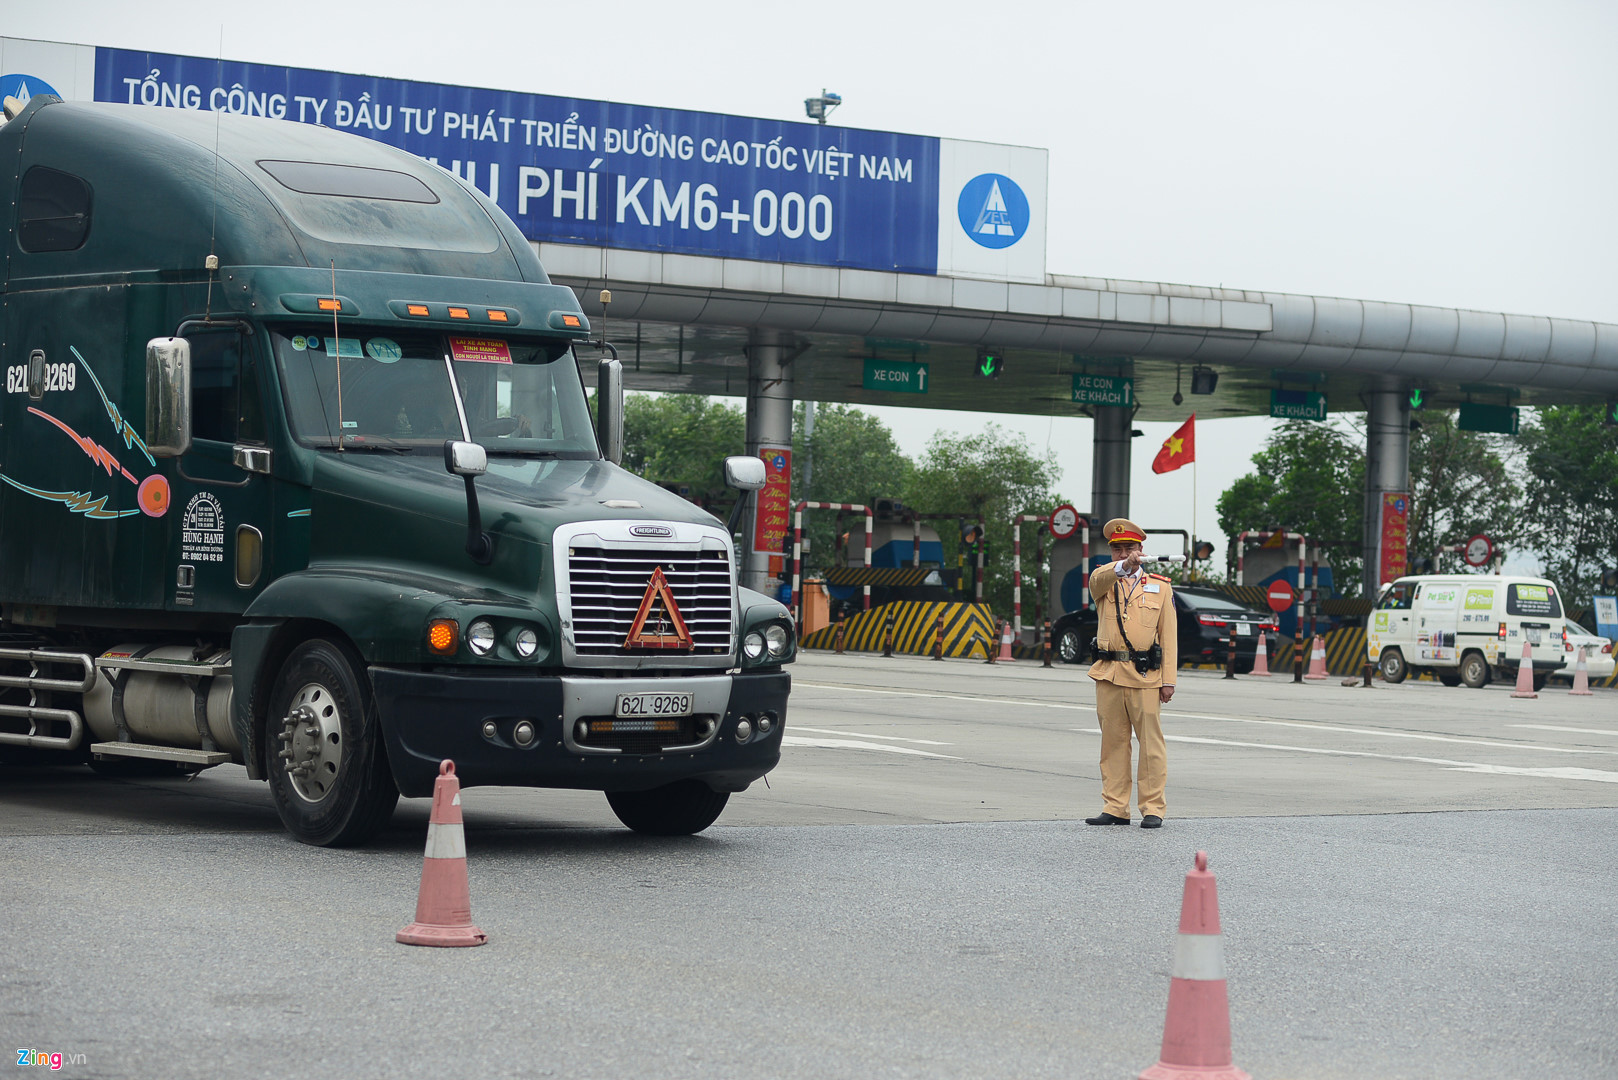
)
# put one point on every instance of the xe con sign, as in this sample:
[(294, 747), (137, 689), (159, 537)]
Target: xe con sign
[(1103, 390), (896, 376), (1297, 405)]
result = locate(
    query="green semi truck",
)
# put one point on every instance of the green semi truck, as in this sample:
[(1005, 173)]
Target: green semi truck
[(298, 471)]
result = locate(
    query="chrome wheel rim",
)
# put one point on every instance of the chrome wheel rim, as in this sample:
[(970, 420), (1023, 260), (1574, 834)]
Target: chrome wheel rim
[(312, 742)]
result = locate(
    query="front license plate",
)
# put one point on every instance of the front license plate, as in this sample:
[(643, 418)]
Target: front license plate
[(653, 705), (1242, 629)]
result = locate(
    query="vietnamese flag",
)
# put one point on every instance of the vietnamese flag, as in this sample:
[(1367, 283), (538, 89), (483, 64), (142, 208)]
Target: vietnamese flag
[(1179, 448)]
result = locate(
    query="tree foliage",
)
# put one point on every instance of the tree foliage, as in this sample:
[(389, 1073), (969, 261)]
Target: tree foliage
[(1460, 485), (993, 475), (682, 439), (1309, 478), (1571, 505), (855, 461)]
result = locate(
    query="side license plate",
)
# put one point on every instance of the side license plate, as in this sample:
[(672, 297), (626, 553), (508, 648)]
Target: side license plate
[(653, 705)]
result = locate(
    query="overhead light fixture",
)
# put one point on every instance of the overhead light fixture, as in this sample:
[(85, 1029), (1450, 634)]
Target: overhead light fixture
[(1203, 380)]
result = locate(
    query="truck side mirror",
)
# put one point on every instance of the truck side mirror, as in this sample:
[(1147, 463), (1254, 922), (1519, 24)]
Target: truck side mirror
[(168, 396), (610, 409), (745, 473), (465, 458)]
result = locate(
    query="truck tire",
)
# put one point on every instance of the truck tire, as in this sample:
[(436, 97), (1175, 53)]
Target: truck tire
[(678, 809), (334, 788), (1475, 670), (1540, 679), (1069, 649), (1392, 665)]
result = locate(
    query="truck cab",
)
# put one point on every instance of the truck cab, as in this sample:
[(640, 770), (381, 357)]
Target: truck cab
[(298, 470)]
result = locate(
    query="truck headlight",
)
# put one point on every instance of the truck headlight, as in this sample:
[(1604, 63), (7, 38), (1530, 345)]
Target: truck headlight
[(527, 642), (777, 639), (753, 645), (480, 637)]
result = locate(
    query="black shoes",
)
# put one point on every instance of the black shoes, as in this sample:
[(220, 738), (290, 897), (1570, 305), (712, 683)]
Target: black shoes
[(1105, 818), (1150, 821)]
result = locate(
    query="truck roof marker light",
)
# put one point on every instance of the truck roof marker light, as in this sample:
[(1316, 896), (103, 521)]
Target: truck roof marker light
[(443, 635), (418, 310), (496, 315), (570, 320), (330, 303), (459, 313)]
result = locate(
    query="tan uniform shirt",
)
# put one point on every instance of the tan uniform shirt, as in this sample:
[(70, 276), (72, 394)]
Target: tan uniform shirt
[(1148, 612)]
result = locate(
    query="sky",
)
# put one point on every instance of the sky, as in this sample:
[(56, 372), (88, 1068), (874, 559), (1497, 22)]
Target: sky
[(1450, 153)]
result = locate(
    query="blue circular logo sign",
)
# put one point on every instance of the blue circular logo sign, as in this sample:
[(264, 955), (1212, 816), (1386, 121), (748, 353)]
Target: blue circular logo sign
[(993, 210), (24, 87)]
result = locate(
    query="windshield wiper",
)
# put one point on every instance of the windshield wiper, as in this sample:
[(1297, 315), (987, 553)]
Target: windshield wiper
[(371, 445)]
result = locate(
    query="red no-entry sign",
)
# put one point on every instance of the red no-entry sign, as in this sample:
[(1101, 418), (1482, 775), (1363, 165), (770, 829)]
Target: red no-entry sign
[(1280, 596)]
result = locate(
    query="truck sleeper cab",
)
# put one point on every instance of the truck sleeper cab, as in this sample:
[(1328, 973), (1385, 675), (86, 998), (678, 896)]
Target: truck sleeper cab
[(297, 470)]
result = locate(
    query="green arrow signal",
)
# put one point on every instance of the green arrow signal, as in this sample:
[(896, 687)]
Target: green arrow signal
[(988, 365), (1415, 399)]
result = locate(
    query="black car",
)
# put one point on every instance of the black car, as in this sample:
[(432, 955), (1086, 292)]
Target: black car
[(1206, 619)]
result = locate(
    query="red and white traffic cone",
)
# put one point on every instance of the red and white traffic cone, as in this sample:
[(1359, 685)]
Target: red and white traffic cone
[(1317, 660), (1261, 657), (444, 905), (1525, 673), (1196, 1033), (1581, 676), (1005, 656)]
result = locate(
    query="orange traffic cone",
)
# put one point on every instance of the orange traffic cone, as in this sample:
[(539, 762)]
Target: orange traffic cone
[(1261, 658), (1581, 677), (444, 905), (1525, 673), (1196, 1033), (1005, 656), (1317, 660)]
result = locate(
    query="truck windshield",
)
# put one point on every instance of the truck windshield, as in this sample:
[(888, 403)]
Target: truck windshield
[(390, 389)]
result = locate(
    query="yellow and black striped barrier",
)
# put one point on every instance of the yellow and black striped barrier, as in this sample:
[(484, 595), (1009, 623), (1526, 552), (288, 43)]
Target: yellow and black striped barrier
[(969, 629), (899, 576)]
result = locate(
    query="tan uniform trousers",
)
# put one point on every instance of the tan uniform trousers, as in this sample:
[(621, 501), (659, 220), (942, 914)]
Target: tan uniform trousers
[(1123, 710)]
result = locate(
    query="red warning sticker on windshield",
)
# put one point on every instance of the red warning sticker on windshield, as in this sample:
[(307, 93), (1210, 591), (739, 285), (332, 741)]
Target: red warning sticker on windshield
[(482, 350)]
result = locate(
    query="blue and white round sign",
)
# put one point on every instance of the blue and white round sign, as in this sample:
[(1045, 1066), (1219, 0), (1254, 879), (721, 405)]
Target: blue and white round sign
[(993, 210), (24, 87)]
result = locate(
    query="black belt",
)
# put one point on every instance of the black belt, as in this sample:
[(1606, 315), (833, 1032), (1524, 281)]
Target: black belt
[(1104, 654)]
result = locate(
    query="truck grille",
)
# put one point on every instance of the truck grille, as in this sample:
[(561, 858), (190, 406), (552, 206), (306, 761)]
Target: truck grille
[(607, 585)]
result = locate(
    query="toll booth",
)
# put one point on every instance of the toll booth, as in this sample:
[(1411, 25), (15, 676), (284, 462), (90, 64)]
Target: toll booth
[(1260, 565)]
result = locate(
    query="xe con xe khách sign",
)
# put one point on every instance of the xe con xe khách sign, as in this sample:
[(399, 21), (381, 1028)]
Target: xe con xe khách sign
[(573, 171), (896, 376)]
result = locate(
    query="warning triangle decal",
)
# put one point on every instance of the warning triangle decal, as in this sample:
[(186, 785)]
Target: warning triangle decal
[(658, 624)]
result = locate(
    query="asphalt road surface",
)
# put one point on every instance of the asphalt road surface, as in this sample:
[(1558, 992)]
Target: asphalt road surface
[(1415, 881)]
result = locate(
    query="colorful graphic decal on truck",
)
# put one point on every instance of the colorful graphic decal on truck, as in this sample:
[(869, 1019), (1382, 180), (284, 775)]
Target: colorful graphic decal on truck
[(151, 494)]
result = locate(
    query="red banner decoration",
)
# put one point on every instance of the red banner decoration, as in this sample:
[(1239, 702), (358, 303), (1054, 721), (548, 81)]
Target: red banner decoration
[(773, 519), (1178, 449), (1393, 536)]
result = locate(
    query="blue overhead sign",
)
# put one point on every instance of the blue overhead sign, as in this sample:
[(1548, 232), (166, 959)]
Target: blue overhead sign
[(626, 176)]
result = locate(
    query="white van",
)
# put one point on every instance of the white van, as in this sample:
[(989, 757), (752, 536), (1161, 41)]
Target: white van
[(1466, 628)]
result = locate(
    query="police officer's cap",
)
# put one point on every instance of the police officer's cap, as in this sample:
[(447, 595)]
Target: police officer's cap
[(1122, 531)]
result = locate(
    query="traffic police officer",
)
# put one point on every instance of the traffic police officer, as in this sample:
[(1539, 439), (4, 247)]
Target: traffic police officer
[(1138, 655)]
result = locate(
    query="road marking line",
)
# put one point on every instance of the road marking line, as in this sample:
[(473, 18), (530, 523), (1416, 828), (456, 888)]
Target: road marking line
[(1462, 739), (1306, 725), (798, 684), (868, 735), (1597, 775), (1580, 730), (855, 744)]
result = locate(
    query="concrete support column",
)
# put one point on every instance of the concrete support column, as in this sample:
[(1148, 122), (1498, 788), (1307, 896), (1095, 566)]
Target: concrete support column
[(1109, 473), (769, 427), (1387, 466)]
